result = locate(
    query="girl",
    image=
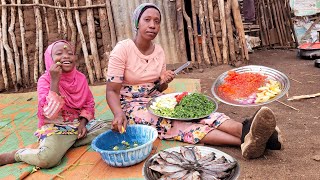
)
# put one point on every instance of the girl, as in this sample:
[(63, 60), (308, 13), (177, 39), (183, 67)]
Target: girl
[(134, 65), (65, 111)]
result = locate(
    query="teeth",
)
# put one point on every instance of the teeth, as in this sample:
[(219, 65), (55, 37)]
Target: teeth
[(66, 62)]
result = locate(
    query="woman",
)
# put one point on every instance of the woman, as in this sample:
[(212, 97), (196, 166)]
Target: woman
[(65, 111), (133, 67)]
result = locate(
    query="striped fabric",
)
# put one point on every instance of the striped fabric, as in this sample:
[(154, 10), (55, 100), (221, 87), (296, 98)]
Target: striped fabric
[(55, 103)]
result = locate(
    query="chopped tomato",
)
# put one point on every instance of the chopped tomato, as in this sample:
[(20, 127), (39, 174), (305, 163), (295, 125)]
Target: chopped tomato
[(241, 85), (179, 97)]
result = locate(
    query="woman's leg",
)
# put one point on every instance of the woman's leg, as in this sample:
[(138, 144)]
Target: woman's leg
[(49, 153), (231, 127), (261, 128), (217, 137)]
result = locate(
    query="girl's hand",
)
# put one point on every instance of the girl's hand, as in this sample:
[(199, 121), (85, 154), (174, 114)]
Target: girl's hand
[(119, 123), (82, 130), (167, 77), (55, 72)]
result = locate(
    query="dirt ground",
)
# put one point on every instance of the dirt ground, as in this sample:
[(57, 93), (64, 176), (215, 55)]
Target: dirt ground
[(300, 158)]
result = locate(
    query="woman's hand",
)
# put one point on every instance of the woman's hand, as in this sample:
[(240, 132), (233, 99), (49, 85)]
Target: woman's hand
[(119, 122), (82, 130), (167, 77)]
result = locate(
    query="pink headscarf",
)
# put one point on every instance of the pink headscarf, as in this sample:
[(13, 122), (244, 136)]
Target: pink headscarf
[(73, 86)]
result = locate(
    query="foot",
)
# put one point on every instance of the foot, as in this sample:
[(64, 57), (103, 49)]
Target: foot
[(262, 127), (7, 158), (275, 142)]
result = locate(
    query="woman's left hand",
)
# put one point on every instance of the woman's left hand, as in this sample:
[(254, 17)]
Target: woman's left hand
[(167, 77), (82, 130)]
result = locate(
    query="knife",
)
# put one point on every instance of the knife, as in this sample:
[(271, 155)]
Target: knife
[(157, 82)]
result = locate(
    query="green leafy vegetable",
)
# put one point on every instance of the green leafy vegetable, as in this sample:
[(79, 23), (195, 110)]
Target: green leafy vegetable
[(194, 105)]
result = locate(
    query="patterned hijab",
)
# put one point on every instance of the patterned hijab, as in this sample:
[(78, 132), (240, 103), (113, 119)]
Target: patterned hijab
[(139, 11)]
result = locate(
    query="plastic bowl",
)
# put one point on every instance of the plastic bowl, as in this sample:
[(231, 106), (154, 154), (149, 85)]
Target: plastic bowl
[(143, 134)]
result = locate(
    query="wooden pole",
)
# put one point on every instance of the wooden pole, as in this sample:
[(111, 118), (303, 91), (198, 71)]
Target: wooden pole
[(58, 18), (26, 80), (71, 25), (111, 23), (36, 51), (83, 43), (287, 9), (266, 22), (203, 35), (263, 23), (45, 19), (105, 30), (182, 42), (93, 41), (206, 19), (213, 32), (239, 26), (7, 47), (276, 21), (3, 62), (55, 7), (195, 32), (14, 44), (271, 19), (280, 21), (190, 36), (230, 32), (63, 21), (224, 31), (40, 38)]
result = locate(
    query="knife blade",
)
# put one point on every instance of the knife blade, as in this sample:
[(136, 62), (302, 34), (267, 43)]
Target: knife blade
[(181, 67), (157, 82)]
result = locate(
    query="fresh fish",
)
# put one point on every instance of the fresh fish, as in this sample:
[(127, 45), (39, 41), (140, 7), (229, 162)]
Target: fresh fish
[(205, 176), (169, 157), (196, 152), (190, 164), (218, 175), (207, 158), (188, 154), (175, 175), (194, 175), (166, 168), (159, 160), (179, 155), (220, 167), (220, 160)]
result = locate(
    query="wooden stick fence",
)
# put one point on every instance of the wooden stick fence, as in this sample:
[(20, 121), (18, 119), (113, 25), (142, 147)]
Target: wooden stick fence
[(91, 29), (274, 18)]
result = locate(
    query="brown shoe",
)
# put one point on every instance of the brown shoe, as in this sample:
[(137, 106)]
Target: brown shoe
[(7, 158), (262, 127)]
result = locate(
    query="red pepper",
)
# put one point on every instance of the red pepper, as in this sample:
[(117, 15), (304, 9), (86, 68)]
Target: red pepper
[(179, 97)]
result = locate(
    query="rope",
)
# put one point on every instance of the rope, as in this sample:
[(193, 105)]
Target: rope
[(54, 7)]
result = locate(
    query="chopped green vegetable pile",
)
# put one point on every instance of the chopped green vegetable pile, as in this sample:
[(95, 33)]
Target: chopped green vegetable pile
[(194, 105)]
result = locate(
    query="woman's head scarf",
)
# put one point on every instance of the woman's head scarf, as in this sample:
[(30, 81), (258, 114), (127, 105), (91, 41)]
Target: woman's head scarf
[(139, 11)]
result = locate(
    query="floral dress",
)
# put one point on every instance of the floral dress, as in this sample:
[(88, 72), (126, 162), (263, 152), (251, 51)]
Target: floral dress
[(134, 93)]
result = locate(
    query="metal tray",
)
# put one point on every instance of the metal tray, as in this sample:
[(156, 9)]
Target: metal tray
[(152, 175), (269, 72), (181, 119)]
